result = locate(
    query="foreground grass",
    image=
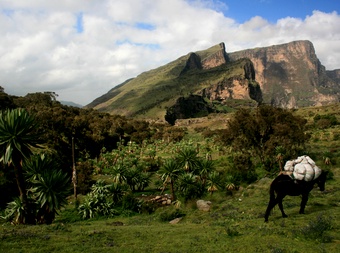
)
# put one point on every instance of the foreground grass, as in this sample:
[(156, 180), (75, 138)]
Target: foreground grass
[(235, 223)]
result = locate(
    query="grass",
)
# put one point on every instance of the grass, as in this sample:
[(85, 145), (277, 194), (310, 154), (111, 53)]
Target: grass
[(235, 223)]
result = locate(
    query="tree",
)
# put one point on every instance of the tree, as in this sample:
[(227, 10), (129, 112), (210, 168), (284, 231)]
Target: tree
[(6, 101), (16, 143), (258, 133)]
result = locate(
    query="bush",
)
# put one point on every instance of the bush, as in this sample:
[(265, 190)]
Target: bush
[(84, 177), (129, 202)]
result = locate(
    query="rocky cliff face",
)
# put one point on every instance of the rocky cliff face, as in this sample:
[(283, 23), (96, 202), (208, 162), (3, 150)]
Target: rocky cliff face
[(334, 75), (241, 86), (216, 59), (290, 75)]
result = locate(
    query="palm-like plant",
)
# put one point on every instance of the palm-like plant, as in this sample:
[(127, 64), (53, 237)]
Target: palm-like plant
[(16, 143), (51, 190), (169, 172), (205, 167), (189, 187), (188, 159), (119, 173), (100, 187), (230, 184), (48, 184), (213, 182), (117, 191), (88, 208), (15, 211)]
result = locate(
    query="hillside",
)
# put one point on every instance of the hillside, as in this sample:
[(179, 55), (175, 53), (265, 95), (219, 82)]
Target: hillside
[(150, 93), (288, 75)]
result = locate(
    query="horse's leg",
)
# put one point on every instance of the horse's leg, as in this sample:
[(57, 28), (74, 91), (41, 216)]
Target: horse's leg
[(271, 204), (280, 199), (303, 203)]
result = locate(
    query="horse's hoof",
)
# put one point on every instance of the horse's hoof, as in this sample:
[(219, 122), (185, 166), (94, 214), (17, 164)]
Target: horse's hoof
[(301, 212), (285, 216)]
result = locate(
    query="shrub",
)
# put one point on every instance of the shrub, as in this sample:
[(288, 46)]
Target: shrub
[(84, 176), (129, 202)]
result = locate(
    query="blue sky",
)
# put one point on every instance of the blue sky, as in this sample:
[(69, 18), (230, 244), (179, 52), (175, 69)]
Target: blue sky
[(272, 10), (88, 47)]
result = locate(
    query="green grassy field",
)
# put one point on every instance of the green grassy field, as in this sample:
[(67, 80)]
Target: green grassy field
[(235, 224)]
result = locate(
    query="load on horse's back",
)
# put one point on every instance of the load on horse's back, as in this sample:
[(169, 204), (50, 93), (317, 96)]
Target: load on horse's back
[(302, 168), (298, 178)]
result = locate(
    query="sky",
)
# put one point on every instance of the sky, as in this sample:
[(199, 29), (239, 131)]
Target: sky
[(80, 49)]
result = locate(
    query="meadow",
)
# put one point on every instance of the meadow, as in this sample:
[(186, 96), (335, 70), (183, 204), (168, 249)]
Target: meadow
[(235, 222)]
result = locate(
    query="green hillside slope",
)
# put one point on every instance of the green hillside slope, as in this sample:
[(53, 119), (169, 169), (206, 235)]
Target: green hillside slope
[(149, 94)]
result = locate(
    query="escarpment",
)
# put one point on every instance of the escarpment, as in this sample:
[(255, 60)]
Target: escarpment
[(288, 75)]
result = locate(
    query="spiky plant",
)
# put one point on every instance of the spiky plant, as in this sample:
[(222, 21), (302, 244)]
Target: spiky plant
[(50, 190), (17, 139)]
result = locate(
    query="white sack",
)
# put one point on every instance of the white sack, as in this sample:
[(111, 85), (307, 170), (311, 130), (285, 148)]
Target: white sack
[(300, 168), (289, 166), (317, 171), (298, 176), (303, 168), (309, 172)]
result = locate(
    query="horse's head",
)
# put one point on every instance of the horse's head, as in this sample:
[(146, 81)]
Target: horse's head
[(321, 180)]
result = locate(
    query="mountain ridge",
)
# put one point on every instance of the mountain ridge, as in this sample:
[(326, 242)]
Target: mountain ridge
[(288, 75)]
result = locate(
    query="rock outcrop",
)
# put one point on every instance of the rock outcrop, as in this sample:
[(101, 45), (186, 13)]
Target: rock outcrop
[(241, 86), (216, 59), (192, 106), (290, 75)]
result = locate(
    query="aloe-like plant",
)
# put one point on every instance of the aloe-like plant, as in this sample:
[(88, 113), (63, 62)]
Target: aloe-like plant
[(98, 202), (213, 182), (50, 190), (169, 172), (17, 139), (189, 186), (188, 159)]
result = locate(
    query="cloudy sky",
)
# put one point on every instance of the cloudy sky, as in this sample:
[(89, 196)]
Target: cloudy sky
[(80, 49)]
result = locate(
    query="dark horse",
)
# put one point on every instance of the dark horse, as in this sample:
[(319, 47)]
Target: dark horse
[(284, 185)]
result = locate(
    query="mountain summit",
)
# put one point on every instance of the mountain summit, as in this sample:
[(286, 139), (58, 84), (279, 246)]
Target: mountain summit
[(288, 75), (291, 75)]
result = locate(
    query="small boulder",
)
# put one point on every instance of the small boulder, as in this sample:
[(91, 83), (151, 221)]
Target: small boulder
[(203, 205), (175, 221)]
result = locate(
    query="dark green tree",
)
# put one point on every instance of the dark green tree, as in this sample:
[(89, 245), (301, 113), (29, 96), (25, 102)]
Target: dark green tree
[(258, 132)]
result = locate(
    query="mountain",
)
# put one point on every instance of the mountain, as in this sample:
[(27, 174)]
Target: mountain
[(70, 103), (288, 75), (291, 75)]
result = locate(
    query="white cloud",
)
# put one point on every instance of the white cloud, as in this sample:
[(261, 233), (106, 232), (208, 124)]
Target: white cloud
[(42, 49)]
